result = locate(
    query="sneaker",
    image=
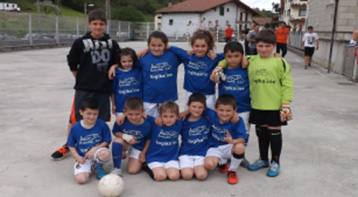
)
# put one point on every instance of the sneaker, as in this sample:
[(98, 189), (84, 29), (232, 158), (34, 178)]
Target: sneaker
[(244, 163), (274, 169), (306, 66), (116, 171), (309, 65), (258, 164), (60, 153), (99, 171), (124, 155), (224, 168), (232, 177)]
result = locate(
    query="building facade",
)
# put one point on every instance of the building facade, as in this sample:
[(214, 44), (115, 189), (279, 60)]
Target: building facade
[(294, 13)]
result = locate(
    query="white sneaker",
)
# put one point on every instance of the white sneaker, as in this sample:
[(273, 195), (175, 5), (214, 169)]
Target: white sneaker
[(116, 171)]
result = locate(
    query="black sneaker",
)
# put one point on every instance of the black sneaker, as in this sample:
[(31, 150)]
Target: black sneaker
[(60, 153)]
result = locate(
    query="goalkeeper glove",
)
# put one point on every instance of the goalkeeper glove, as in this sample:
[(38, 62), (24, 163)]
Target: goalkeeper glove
[(285, 113)]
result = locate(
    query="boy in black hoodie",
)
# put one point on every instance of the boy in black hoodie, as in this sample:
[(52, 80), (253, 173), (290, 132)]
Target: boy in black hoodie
[(89, 60)]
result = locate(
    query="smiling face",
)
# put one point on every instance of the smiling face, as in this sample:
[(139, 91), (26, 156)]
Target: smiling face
[(134, 116), (233, 59), (97, 28), (89, 116), (156, 46), (200, 47), (126, 62), (265, 50), (225, 112), (169, 118), (196, 109)]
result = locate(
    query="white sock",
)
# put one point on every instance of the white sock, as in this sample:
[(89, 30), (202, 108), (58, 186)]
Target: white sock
[(234, 164)]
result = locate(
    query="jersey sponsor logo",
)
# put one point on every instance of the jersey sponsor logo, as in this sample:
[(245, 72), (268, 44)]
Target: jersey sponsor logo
[(261, 72), (90, 139), (166, 143), (198, 130), (197, 65), (198, 74), (197, 140), (235, 79), (163, 66), (167, 134), (129, 91), (161, 76), (233, 88), (130, 81)]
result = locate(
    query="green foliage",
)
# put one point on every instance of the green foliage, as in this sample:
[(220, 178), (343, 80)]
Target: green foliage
[(128, 13), (48, 7)]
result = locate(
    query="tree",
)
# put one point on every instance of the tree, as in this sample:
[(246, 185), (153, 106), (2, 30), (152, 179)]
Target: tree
[(48, 7)]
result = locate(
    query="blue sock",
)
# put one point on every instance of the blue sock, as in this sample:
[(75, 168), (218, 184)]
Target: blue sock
[(117, 154)]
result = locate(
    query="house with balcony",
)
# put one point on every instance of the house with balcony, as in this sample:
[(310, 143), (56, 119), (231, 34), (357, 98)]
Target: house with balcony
[(294, 13), (185, 17)]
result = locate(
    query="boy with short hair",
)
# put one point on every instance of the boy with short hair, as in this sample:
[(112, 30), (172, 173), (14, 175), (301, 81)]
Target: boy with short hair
[(162, 155), (271, 91), (89, 60), (282, 37), (88, 142), (194, 135), (133, 134), (226, 140), (310, 42)]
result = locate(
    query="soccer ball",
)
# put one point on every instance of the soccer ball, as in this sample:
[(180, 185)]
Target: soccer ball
[(111, 185)]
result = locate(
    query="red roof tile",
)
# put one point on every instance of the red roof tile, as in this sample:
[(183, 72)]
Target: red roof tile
[(201, 6)]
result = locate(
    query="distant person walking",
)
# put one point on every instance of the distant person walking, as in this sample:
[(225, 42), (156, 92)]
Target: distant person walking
[(245, 33), (354, 41), (282, 34), (228, 33), (310, 42), (251, 37)]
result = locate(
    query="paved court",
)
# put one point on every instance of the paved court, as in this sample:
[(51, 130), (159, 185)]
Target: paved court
[(319, 156)]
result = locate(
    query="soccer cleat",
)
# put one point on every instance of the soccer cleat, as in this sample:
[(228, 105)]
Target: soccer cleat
[(99, 171), (232, 177), (116, 171), (274, 169), (224, 168), (60, 153), (244, 163), (258, 164), (124, 155)]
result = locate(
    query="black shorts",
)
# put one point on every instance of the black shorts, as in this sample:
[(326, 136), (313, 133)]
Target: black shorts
[(309, 51), (270, 118), (102, 101)]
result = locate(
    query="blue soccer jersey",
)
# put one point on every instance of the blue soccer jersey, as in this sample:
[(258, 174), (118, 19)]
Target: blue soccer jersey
[(195, 137), (140, 132), (84, 139), (127, 83), (159, 77), (237, 84), (218, 131), (198, 71), (164, 142)]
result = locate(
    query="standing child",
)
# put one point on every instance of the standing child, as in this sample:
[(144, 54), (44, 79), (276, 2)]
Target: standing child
[(226, 139), (133, 134), (89, 60), (310, 42), (194, 135), (162, 155), (237, 84), (88, 142), (160, 70), (271, 91), (128, 80), (199, 66)]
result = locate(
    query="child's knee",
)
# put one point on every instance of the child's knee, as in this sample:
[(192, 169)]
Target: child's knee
[(104, 155), (201, 176), (239, 148), (133, 170), (187, 174), (160, 176), (210, 164), (82, 178), (118, 140), (174, 175)]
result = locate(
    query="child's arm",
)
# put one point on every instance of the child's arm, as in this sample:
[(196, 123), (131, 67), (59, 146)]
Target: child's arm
[(142, 155), (142, 53), (113, 104), (112, 71), (158, 121), (286, 92), (229, 139), (90, 153), (120, 119), (126, 137), (75, 154), (74, 73), (184, 114)]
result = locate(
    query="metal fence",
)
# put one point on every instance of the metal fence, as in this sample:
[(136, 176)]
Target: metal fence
[(350, 62), (296, 38)]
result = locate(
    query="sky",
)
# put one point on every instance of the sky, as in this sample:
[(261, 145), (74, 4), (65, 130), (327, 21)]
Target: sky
[(262, 4)]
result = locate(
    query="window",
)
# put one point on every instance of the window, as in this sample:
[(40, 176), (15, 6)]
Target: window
[(288, 12), (159, 17), (171, 21), (302, 12), (222, 11), (214, 9), (227, 10)]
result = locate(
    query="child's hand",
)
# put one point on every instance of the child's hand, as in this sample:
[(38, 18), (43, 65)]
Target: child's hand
[(159, 121), (114, 109), (141, 157), (228, 137), (129, 138), (235, 118), (244, 62), (80, 160), (277, 55), (285, 112), (133, 141), (120, 119), (191, 52), (142, 53), (211, 55), (217, 74), (112, 72), (90, 153)]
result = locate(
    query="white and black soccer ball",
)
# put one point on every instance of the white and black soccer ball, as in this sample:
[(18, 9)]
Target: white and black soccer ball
[(111, 185)]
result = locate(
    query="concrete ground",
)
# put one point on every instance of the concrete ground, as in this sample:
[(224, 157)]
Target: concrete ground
[(319, 156)]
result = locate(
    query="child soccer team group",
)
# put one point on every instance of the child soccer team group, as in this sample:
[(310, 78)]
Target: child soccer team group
[(214, 132)]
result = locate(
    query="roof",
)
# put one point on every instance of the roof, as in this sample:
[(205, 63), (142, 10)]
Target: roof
[(262, 20), (200, 6)]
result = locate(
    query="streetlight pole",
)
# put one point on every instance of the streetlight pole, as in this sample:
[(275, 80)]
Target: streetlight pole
[(85, 17)]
